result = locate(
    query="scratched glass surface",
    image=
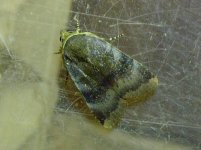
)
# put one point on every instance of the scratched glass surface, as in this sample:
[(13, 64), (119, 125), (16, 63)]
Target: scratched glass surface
[(165, 36)]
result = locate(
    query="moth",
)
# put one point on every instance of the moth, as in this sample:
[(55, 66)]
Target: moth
[(107, 78)]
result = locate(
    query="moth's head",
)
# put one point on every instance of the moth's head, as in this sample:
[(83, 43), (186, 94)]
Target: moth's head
[(75, 51), (64, 34)]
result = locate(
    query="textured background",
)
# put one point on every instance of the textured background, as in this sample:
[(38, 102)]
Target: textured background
[(163, 35)]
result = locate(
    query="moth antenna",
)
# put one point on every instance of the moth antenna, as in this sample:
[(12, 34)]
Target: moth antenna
[(116, 37), (77, 24)]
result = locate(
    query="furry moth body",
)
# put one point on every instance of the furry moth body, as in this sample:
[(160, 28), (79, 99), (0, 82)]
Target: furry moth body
[(107, 78)]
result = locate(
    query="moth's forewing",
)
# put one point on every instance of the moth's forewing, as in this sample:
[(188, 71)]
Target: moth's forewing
[(106, 77)]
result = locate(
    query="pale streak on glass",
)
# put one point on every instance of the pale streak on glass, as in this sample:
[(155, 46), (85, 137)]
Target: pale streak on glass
[(29, 33)]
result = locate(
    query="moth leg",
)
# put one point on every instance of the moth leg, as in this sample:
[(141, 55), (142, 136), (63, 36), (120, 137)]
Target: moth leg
[(59, 52), (66, 78), (111, 39), (62, 54)]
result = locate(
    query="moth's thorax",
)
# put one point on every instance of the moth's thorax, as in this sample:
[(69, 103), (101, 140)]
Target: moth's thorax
[(89, 52)]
